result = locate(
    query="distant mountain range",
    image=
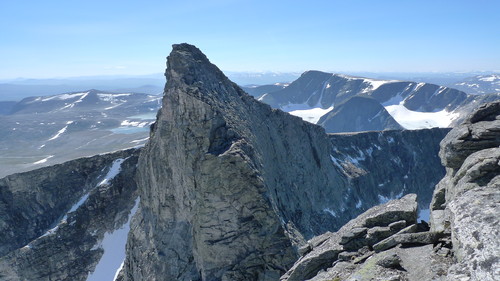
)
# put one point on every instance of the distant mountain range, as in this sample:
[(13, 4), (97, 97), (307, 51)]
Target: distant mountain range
[(43, 130), (413, 105), (17, 89), (481, 84), (40, 131)]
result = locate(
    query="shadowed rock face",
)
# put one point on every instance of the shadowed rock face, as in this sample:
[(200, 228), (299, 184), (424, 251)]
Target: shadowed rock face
[(53, 219), (387, 165)]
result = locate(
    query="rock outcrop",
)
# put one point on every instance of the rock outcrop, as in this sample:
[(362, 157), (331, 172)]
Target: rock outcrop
[(357, 114), (466, 202), (365, 248), (53, 220)]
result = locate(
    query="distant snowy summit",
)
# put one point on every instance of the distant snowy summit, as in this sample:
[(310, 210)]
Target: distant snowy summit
[(86, 100), (315, 94), (481, 84)]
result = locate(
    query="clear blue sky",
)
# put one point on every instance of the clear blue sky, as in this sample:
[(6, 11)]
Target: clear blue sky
[(52, 38)]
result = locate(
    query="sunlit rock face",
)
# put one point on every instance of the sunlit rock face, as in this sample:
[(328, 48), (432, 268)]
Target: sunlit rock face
[(466, 201)]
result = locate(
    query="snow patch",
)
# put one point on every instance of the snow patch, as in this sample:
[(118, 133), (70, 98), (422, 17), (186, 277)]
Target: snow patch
[(336, 162), (375, 83), (383, 199), (420, 120), (140, 140), (43, 160), (311, 115), (62, 97), (418, 86), (490, 78), (113, 245), (358, 204), (83, 95), (375, 116), (111, 107), (118, 270), (113, 171), (330, 211), (60, 132), (127, 123), (63, 220), (262, 97), (111, 97)]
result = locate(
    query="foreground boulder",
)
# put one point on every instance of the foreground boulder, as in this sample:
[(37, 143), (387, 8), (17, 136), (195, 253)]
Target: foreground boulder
[(365, 248), (466, 202)]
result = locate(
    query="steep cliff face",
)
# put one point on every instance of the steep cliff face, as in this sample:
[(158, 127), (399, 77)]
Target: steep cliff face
[(229, 187), (466, 201), (54, 220), (381, 166)]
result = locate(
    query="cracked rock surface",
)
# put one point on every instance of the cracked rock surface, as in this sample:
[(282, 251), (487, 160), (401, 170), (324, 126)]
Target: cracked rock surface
[(466, 202)]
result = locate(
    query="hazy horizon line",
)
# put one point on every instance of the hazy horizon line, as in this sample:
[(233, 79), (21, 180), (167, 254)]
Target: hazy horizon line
[(160, 74)]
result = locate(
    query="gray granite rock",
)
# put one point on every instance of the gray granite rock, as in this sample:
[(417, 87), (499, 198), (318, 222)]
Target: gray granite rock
[(466, 201), (398, 225), (390, 261), (326, 253), (481, 130), (420, 238)]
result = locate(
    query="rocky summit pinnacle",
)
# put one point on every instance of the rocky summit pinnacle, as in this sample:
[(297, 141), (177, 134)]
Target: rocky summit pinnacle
[(231, 188), (216, 204)]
